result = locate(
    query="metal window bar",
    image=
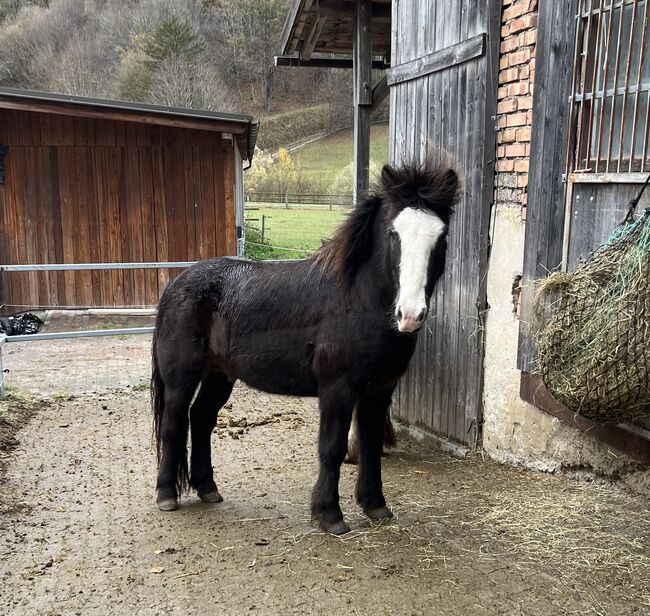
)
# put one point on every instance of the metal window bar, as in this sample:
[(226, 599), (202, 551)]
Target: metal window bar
[(610, 101)]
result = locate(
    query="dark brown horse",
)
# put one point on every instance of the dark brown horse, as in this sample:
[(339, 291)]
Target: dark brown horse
[(341, 326)]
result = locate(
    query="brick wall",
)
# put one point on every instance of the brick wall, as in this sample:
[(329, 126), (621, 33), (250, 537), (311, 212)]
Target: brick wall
[(515, 101)]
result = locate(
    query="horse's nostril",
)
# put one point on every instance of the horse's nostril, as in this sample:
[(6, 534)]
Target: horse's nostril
[(399, 314), (423, 313)]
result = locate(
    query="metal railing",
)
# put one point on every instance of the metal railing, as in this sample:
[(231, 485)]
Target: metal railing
[(54, 267)]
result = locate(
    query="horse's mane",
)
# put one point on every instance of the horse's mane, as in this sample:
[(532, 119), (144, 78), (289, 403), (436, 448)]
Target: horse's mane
[(426, 186)]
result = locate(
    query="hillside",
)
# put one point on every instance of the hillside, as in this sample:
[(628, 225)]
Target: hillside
[(325, 160), (208, 54)]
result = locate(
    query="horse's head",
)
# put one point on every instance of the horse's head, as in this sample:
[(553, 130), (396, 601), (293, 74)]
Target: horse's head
[(418, 203), (398, 236)]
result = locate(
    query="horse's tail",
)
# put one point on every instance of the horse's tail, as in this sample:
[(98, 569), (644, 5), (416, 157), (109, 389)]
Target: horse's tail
[(158, 407), (157, 395)]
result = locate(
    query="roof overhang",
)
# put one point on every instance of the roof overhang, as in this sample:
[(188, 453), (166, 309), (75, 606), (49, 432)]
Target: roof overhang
[(243, 127), (327, 26)]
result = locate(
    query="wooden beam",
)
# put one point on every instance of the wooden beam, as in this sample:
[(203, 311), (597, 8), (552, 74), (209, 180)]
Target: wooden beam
[(291, 61), (301, 21), (380, 92), (347, 10), (362, 58), (308, 46), (634, 445), (438, 60)]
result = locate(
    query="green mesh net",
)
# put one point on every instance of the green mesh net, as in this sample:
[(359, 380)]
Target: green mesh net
[(593, 348)]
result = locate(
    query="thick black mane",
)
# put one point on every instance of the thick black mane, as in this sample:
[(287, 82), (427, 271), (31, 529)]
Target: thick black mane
[(434, 188)]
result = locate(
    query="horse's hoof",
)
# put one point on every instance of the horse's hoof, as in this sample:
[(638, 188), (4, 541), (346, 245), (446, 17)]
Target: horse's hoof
[(167, 504), (335, 528), (379, 513), (211, 497)]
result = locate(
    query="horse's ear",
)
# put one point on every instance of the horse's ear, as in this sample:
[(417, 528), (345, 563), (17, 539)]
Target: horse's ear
[(389, 177), (450, 183)]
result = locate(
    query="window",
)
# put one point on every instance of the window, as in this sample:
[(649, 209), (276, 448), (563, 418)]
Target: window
[(611, 87)]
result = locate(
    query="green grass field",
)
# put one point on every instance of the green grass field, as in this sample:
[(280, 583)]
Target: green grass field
[(324, 159), (298, 232), (295, 233)]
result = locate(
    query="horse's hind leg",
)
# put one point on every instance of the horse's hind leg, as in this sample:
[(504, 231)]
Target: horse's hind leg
[(371, 419), (214, 393), (172, 468)]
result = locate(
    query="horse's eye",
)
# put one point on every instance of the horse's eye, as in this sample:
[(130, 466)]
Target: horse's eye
[(394, 235)]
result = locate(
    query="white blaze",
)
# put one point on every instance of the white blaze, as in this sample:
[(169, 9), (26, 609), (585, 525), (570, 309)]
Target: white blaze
[(419, 231)]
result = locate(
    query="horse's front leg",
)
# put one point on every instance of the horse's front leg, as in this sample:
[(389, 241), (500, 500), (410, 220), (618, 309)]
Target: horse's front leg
[(336, 403), (371, 414)]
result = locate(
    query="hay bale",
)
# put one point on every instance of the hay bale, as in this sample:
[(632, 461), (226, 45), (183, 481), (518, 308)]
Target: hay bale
[(593, 347)]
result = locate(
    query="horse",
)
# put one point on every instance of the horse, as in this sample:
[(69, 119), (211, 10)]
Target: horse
[(341, 326)]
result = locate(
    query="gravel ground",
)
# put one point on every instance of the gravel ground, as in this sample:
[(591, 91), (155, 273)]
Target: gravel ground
[(80, 532)]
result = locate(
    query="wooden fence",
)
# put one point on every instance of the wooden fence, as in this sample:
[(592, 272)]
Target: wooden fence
[(328, 200)]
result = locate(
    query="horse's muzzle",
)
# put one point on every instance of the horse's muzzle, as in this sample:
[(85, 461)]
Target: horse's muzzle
[(408, 323)]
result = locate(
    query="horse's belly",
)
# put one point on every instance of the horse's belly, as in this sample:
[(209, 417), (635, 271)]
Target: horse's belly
[(283, 367)]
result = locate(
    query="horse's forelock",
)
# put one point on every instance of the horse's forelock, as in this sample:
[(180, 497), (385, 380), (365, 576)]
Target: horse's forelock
[(428, 186)]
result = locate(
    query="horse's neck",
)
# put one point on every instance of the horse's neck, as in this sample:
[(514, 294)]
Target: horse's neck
[(374, 283)]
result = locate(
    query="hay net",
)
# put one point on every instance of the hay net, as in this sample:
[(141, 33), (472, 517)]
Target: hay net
[(593, 347)]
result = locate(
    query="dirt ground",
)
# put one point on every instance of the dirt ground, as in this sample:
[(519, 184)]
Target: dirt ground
[(80, 533)]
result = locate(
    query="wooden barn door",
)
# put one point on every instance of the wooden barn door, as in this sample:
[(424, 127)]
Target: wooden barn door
[(443, 84)]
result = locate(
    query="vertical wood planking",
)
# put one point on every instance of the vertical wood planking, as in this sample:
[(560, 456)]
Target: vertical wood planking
[(88, 190), (151, 292), (448, 109)]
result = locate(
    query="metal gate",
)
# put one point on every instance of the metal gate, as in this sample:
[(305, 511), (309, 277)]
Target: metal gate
[(443, 92)]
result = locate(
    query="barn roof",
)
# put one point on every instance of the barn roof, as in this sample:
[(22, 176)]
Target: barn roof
[(243, 127), (327, 26)]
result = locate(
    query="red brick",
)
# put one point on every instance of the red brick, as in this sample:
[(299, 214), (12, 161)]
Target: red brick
[(521, 165), (503, 62), (523, 212), (505, 165), (523, 23), (519, 57), (507, 106), (529, 37), (508, 75), (524, 71), (501, 151), (505, 31), (516, 149), (525, 39), (517, 9), (517, 119), (502, 92), (523, 134), (522, 180), (519, 88), (508, 135), (524, 102)]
